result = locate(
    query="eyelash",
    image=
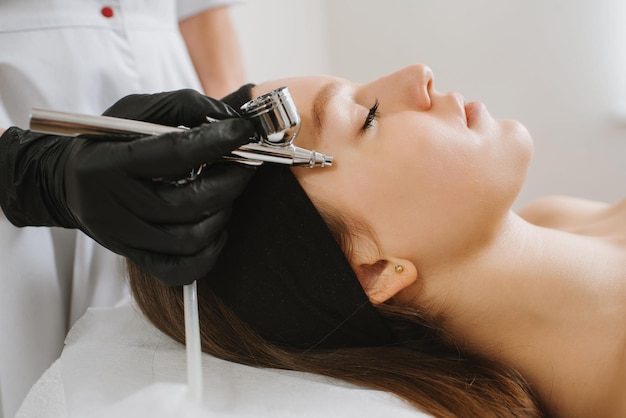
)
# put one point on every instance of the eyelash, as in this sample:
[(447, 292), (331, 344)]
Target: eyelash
[(371, 117)]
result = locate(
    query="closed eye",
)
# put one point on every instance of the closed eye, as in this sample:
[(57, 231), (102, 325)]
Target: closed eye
[(372, 115)]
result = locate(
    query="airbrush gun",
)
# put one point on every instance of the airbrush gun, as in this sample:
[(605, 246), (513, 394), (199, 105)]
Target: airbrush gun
[(274, 116)]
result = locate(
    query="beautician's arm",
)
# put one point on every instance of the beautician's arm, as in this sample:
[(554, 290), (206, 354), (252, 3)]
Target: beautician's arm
[(214, 49)]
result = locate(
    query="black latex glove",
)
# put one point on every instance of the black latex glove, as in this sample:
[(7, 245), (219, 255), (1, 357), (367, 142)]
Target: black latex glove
[(107, 188)]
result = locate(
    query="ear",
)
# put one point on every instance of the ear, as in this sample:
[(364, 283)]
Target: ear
[(385, 278)]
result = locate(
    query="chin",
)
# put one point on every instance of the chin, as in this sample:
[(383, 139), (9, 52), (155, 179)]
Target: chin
[(515, 155), (519, 137)]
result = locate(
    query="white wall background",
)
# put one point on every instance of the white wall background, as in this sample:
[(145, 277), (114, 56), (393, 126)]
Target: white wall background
[(559, 66)]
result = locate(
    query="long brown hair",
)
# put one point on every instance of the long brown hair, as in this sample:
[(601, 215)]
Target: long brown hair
[(424, 368)]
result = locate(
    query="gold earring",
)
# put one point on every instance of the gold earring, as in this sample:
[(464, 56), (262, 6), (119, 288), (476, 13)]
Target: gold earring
[(399, 268)]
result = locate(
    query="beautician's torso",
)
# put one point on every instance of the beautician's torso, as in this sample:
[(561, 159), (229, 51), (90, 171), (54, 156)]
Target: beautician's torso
[(81, 56), (120, 46)]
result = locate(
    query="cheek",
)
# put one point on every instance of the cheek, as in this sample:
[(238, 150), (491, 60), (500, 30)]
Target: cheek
[(429, 156), (405, 167)]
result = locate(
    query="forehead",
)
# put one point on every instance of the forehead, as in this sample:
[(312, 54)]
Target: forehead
[(302, 89)]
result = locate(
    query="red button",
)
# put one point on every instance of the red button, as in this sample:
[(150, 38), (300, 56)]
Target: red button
[(107, 12)]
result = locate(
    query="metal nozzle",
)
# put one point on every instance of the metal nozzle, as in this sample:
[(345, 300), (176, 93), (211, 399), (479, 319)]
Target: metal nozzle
[(289, 154), (312, 158)]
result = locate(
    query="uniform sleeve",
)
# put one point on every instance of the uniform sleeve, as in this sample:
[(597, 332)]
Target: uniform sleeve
[(188, 8)]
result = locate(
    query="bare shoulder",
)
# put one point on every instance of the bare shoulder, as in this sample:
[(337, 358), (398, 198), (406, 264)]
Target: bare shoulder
[(564, 211)]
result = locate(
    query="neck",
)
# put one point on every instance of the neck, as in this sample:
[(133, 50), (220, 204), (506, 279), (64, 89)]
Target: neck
[(543, 301)]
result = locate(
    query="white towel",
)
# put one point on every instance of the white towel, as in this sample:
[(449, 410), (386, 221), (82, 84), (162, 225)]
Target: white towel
[(117, 364)]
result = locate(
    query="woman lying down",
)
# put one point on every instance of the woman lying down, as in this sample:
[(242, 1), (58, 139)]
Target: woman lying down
[(403, 267)]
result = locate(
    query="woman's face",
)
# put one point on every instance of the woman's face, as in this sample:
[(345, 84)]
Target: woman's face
[(430, 174)]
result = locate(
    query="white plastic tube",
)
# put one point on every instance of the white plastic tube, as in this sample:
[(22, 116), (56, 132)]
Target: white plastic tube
[(192, 341)]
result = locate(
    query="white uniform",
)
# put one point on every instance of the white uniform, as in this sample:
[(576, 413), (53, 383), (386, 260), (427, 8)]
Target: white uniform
[(77, 56)]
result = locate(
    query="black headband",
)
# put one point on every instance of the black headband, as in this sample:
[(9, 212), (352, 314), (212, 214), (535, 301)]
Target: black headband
[(283, 273)]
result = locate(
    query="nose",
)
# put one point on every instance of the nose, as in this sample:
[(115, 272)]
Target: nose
[(412, 86)]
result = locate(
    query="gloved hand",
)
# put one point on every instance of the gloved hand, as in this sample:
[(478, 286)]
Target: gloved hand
[(106, 188)]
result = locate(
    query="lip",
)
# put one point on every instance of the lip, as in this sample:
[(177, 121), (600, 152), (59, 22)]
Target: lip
[(472, 112)]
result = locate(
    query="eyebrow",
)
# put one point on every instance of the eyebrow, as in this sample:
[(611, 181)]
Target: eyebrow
[(320, 103)]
